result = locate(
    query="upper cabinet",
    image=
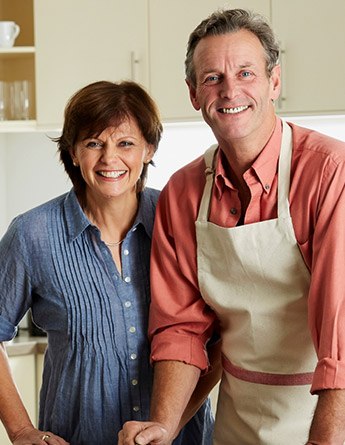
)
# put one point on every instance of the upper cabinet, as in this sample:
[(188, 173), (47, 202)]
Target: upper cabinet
[(82, 41), (64, 45), (312, 36), (170, 26), (17, 65)]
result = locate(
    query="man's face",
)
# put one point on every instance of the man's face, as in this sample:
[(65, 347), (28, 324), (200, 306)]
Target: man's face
[(233, 89)]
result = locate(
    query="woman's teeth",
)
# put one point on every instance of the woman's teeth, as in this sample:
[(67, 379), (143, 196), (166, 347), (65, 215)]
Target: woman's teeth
[(112, 174), (234, 110)]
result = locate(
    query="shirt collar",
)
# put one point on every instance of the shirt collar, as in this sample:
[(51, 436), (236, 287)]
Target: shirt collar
[(77, 221), (265, 166)]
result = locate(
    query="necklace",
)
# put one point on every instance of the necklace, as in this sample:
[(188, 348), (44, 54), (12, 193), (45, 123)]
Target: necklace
[(114, 244)]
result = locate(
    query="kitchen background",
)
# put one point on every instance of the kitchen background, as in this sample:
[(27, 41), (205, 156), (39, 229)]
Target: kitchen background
[(66, 44)]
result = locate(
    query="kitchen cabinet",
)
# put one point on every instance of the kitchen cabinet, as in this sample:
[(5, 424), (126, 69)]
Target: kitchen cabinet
[(312, 36), (170, 26), (65, 45), (18, 63), (82, 41), (24, 372)]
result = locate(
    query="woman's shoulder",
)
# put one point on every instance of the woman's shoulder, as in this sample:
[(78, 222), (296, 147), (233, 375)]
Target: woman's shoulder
[(33, 220), (151, 195)]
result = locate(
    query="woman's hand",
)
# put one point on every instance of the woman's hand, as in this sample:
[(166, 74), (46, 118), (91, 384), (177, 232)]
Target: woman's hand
[(33, 436)]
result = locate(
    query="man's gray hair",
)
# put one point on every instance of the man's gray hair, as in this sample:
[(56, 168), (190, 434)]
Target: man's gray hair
[(228, 21)]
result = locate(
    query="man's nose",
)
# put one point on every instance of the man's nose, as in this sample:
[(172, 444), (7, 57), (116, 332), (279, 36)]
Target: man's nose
[(229, 87)]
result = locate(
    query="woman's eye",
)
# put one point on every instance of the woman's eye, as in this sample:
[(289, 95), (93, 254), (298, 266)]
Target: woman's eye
[(93, 144), (126, 144)]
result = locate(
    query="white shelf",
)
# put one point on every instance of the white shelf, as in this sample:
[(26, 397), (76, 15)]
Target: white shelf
[(18, 50)]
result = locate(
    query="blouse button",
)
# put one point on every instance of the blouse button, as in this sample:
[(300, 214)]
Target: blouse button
[(128, 279), (126, 252), (136, 408), (233, 211), (133, 356), (128, 304), (134, 382), (267, 187), (132, 329)]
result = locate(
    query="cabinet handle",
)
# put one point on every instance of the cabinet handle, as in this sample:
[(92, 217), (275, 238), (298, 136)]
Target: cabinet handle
[(283, 96), (134, 66)]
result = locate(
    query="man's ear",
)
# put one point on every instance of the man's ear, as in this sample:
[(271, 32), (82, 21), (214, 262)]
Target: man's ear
[(192, 95), (275, 80)]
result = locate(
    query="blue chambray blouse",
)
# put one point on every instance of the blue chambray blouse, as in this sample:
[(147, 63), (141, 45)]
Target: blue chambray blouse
[(96, 370)]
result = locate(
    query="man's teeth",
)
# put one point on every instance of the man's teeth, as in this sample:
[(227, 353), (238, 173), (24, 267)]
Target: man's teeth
[(112, 174), (234, 110)]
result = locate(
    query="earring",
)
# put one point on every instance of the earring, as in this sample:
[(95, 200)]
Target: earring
[(75, 164)]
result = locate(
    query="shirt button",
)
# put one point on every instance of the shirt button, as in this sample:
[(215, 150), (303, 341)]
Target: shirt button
[(233, 211), (128, 279), (134, 382), (126, 252), (128, 304), (132, 329), (267, 187), (136, 408), (133, 356)]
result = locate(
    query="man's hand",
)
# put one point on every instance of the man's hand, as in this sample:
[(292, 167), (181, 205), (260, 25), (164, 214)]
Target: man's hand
[(144, 433)]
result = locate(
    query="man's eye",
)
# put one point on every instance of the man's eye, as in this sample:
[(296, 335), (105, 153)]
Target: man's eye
[(246, 74), (212, 79)]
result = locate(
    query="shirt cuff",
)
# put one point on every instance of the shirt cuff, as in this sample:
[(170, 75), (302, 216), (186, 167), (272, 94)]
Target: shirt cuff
[(179, 347), (329, 374)]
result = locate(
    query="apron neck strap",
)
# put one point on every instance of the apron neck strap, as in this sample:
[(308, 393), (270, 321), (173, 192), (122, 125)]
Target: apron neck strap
[(284, 172)]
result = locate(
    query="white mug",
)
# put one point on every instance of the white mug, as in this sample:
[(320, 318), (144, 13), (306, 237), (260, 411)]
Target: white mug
[(8, 33)]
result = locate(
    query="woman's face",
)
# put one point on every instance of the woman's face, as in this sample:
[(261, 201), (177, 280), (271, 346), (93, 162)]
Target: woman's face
[(112, 162)]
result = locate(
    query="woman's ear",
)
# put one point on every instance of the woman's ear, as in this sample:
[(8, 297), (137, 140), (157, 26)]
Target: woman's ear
[(150, 151)]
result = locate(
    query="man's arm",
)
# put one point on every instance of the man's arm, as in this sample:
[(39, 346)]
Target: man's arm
[(328, 425), (205, 384), (174, 383)]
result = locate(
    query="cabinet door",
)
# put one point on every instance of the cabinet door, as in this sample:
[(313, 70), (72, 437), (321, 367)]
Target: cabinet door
[(82, 41), (312, 35), (171, 22)]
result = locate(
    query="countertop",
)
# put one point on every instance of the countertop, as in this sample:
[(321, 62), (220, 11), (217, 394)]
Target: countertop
[(24, 344)]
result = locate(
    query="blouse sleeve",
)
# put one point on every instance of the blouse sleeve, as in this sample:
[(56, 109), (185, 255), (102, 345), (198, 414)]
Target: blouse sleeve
[(15, 283)]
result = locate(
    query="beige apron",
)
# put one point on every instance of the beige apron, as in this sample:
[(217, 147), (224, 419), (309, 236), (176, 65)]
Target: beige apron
[(255, 279)]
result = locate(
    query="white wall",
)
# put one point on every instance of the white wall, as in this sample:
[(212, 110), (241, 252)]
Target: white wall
[(30, 172)]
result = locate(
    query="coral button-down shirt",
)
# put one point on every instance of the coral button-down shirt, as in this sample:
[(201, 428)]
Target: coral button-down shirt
[(181, 323)]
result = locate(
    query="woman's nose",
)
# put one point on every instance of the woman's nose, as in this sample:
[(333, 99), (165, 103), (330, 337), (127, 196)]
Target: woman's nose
[(109, 153)]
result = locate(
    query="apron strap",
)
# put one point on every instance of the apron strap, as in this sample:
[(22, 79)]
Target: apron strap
[(204, 208), (284, 172)]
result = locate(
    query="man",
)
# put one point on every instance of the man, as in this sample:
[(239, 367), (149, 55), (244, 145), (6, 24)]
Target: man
[(253, 235)]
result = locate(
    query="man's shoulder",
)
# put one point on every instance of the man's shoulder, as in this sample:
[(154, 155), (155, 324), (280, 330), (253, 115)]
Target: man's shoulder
[(191, 174), (316, 143)]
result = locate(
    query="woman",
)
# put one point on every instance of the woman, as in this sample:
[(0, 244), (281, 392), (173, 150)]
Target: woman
[(81, 263)]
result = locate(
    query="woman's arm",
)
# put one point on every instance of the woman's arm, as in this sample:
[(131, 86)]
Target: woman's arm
[(13, 414), (12, 411)]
